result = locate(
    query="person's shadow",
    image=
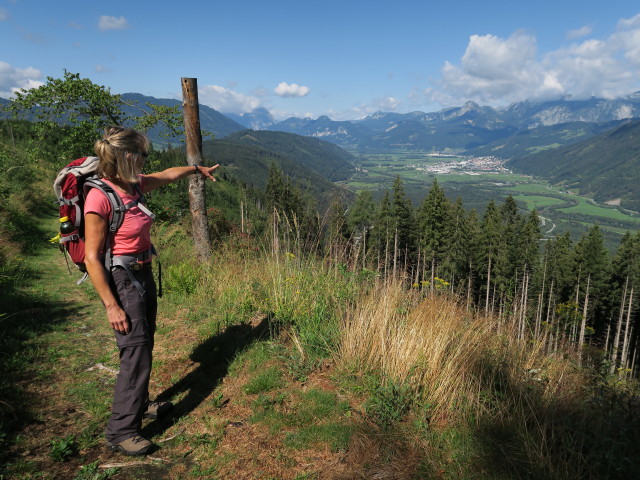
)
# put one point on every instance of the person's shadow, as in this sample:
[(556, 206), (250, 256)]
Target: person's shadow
[(214, 356)]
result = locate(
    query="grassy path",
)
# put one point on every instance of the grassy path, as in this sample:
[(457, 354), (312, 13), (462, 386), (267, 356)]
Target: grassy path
[(242, 410)]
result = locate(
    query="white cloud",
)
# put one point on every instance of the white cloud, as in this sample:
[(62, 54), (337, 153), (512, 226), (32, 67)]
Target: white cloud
[(226, 100), (13, 79), (579, 32), (4, 14), (499, 71), (107, 22), (386, 104), (627, 38), (102, 69), (291, 90)]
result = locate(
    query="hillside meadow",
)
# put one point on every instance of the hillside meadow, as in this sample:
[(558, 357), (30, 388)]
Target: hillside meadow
[(290, 364)]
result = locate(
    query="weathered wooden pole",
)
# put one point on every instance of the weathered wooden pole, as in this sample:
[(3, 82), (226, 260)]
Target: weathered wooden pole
[(193, 140)]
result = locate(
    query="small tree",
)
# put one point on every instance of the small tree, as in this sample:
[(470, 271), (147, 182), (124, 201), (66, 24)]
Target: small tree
[(83, 109)]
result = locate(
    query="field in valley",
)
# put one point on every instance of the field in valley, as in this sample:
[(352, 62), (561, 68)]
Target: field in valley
[(477, 180)]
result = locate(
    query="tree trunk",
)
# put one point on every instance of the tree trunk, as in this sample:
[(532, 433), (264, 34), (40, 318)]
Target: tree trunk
[(627, 330), (616, 341), (193, 135), (486, 301), (583, 324)]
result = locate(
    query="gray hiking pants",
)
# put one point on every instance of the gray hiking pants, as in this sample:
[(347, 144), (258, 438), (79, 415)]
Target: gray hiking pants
[(131, 392)]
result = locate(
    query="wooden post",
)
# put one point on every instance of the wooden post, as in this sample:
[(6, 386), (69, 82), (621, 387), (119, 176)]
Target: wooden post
[(193, 139)]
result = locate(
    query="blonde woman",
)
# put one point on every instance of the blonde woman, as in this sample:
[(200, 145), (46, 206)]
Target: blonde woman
[(125, 285)]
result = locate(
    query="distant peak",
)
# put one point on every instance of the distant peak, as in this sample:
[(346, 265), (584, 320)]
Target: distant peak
[(376, 116)]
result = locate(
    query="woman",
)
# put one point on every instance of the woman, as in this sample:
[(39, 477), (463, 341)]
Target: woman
[(128, 290)]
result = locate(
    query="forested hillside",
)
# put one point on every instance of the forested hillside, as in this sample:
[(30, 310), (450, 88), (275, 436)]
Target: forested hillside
[(606, 167), (325, 158), (533, 140)]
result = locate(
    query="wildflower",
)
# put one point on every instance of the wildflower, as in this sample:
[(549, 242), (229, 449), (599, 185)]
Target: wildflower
[(290, 255)]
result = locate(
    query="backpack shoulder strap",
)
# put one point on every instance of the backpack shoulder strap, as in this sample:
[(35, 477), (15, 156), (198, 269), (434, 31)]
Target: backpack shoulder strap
[(118, 208), (140, 202)]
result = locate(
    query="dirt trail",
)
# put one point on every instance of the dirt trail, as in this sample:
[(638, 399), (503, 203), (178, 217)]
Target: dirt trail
[(211, 434)]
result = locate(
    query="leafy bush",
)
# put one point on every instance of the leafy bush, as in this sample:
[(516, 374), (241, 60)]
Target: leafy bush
[(63, 448), (181, 278), (389, 403), (92, 472)]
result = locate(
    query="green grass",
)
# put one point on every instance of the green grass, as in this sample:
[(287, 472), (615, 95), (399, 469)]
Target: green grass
[(309, 418), (254, 358), (532, 188), (538, 202), (269, 379), (586, 207)]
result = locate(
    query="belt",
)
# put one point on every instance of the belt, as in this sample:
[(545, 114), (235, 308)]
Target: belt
[(137, 261), (133, 263)]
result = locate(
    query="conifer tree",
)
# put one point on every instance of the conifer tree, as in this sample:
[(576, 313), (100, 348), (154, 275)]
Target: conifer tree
[(404, 222), (513, 226), (456, 264), (384, 231), (592, 260), (361, 214), (361, 218), (338, 227), (275, 189), (434, 228), (492, 254), (560, 266), (473, 255)]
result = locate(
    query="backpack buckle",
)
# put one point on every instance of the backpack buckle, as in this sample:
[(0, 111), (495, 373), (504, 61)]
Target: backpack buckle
[(135, 266)]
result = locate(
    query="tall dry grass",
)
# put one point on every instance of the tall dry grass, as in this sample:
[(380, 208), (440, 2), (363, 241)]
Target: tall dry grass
[(474, 370), (443, 351)]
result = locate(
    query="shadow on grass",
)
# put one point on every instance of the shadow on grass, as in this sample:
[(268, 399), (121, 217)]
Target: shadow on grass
[(23, 319), (214, 356), (594, 435)]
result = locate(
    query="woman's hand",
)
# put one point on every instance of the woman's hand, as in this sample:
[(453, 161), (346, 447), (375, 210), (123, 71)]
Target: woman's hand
[(95, 231), (170, 175), (208, 171), (118, 319)]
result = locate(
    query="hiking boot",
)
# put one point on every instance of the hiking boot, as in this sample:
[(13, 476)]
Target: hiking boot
[(133, 446), (157, 409)]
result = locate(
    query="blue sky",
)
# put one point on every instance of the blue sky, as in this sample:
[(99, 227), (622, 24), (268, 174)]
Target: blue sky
[(345, 59)]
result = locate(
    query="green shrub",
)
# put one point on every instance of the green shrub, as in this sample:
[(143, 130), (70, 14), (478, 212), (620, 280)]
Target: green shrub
[(181, 278), (388, 403), (63, 448)]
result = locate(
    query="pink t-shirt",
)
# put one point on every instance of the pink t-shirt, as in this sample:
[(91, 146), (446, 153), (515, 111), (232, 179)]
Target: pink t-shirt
[(134, 236)]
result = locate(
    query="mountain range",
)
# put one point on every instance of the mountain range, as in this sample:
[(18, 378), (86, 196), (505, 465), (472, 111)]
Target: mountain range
[(591, 146), (457, 129), (470, 128)]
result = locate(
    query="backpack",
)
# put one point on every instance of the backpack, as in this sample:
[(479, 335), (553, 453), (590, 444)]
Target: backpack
[(71, 187)]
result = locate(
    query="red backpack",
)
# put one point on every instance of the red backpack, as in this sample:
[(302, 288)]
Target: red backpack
[(71, 187)]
